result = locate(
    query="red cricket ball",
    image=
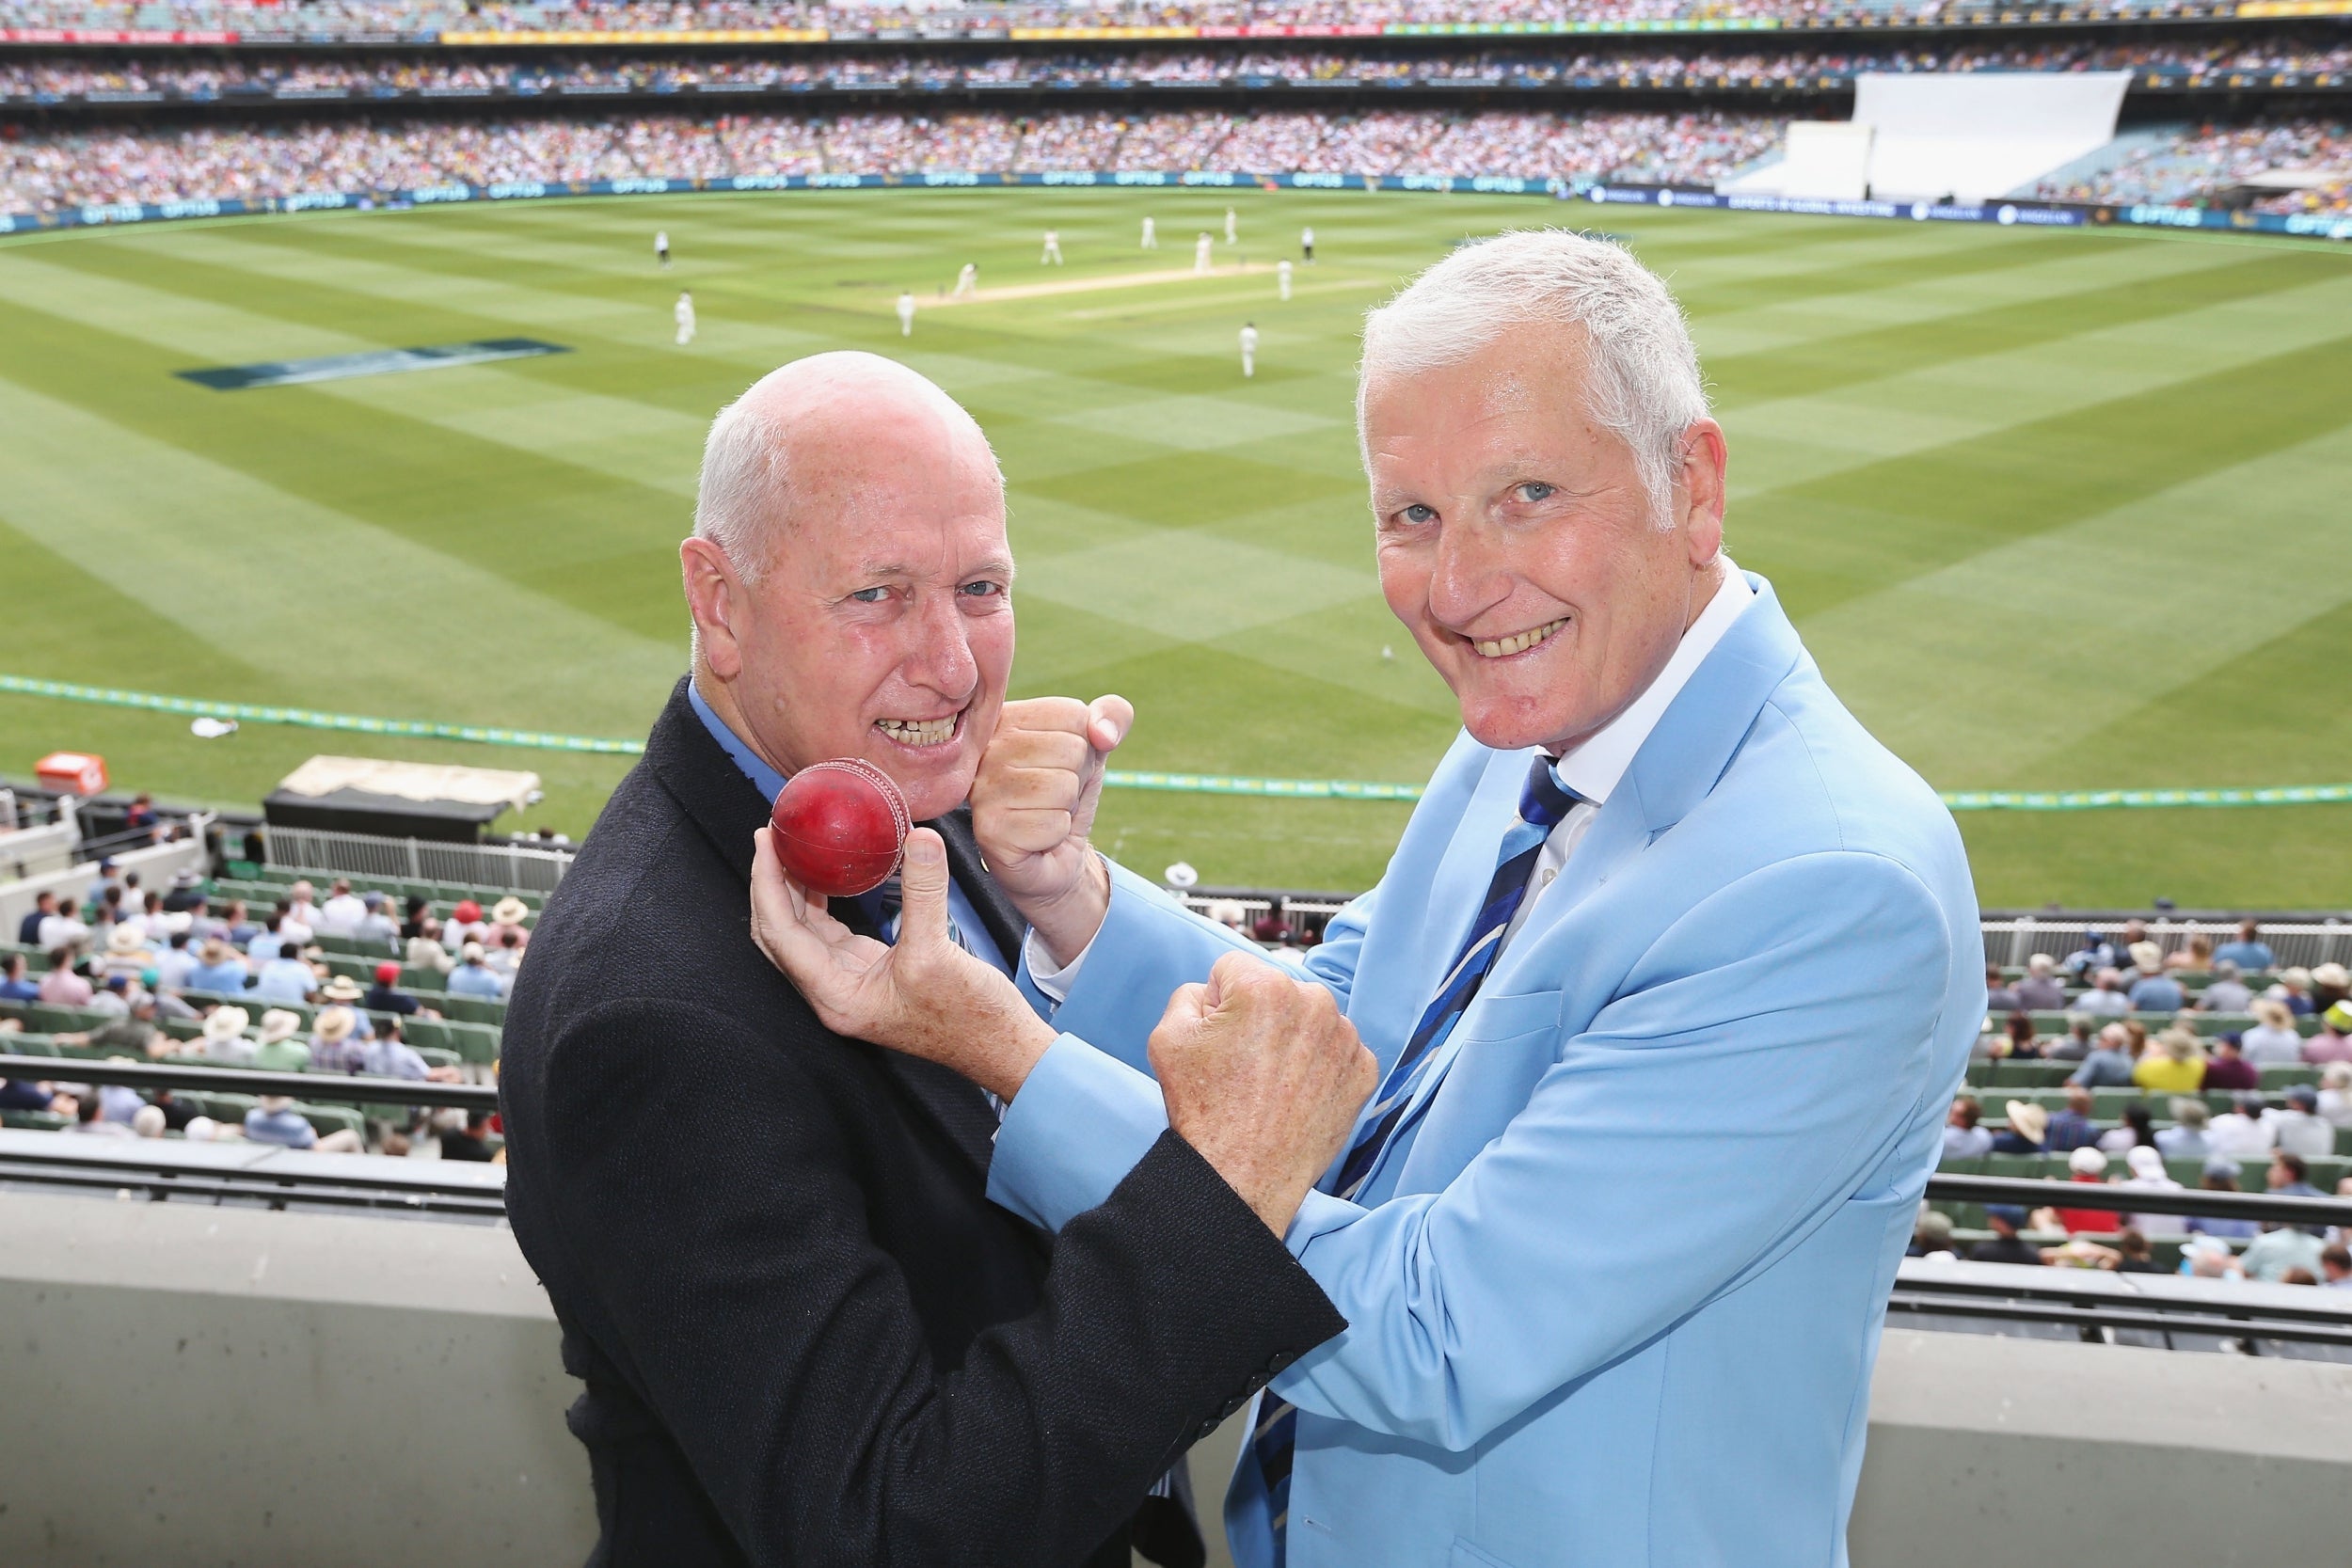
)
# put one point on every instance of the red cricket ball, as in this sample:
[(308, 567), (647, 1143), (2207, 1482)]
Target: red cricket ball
[(840, 827)]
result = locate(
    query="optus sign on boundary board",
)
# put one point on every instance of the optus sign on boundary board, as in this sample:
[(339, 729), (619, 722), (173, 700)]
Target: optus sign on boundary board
[(2039, 214)]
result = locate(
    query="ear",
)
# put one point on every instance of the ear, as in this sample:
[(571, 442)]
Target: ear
[(1704, 460), (716, 599)]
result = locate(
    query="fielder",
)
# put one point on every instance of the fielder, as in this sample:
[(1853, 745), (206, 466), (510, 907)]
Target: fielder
[(967, 281), (1307, 244), (1151, 235), (1053, 248), (906, 314), (1200, 248), (684, 313), (1282, 276), (1232, 233), (662, 247), (1249, 350)]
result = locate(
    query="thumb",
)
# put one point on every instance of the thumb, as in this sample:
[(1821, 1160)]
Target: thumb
[(1109, 720), (923, 889)]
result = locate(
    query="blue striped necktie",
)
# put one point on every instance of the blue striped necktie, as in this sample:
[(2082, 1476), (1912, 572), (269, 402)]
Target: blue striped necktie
[(1543, 802)]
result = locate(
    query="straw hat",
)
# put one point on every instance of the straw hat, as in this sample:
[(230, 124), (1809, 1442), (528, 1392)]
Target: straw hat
[(2332, 975), (2274, 1015), (2028, 1120), (510, 911), (125, 938), (343, 988), (280, 1023), (471, 953), (335, 1024), (2179, 1044), (214, 951), (2148, 956), (226, 1023)]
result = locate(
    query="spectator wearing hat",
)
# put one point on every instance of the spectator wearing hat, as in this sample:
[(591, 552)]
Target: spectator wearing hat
[(2335, 1094), (220, 970), (2185, 1138), (464, 924), (2294, 987), (2228, 1069), (2333, 1043), (472, 977), (2108, 1063), (2028, 1126), (2149, 1175), (61, 987), (2239, 1133), (127, 952), (276, 1048), (2071, 1128), (2088, 1167), (2041, 991), (2005, 1220), (376, 925), (1963, 1138), (2331, 983), (112, 997), (2274, 1041), (509, 916), (340, 916), (222, 1037), (2105, 998), (2175, 1065), (2150, 989), (2296, 1128), (335, 1043), (1931, 1236), (342, 990), (2225, 992), (386, 996), (2249, 952), (14, 987), (135, 1033)]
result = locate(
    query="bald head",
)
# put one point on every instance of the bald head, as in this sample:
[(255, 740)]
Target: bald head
[(818, 440)]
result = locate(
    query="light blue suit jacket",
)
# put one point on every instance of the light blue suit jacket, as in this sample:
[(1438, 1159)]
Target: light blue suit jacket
[(1614, 1290)]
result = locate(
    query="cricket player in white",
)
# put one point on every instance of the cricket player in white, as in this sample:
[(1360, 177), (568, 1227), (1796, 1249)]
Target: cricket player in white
[(1248, 349), (967, 281), (1200, 248), (1151, 235), (906, 314), (1053, 248), (1307, 244), (662, 247), (1282, 276), (684, 311), (1232, 233)]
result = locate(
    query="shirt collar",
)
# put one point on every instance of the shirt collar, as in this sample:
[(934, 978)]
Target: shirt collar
[(1593, 766), (765, 779)]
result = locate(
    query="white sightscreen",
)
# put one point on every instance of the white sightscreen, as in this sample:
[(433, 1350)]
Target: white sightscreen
[(1977, 135)]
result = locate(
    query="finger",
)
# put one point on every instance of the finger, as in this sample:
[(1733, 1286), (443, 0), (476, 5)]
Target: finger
[(1027, 832), (1230, 975), (1185, 1006), (1109, 720), (922, 886), (1064, 714), (790, 925)]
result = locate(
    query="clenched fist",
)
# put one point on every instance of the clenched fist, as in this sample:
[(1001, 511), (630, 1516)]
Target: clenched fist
[(1033, 805), (1263, 1077)]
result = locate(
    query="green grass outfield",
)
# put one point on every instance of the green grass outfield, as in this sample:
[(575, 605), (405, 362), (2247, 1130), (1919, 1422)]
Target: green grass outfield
[(2054, 510)]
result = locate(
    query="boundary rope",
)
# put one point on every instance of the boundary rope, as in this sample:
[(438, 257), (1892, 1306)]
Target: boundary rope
[(1179, 783)]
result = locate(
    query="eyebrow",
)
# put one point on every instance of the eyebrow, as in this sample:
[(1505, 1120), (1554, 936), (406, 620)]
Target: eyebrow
[(994, 565)]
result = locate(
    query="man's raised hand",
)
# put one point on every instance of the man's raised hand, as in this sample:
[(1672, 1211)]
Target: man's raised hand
[(1263, 1077), (1033, 807), (924, 995)]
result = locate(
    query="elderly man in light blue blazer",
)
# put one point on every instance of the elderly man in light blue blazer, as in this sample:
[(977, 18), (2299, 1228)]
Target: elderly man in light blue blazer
[(1670, 982)]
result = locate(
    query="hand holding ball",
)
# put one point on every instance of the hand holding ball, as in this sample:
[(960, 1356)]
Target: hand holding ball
[(840, 827)]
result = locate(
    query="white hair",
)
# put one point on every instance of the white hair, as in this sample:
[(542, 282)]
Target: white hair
[(740, 494), (1642, 372)]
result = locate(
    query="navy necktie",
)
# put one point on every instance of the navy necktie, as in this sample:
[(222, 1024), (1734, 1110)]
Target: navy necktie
[(1544, 803)]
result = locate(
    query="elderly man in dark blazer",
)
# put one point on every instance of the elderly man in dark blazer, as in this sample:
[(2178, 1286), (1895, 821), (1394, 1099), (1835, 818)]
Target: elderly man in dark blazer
[(806, 1335)]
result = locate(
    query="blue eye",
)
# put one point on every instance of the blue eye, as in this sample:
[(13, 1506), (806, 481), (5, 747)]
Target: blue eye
[(1536, 490), (870, 595), (1418, 513), (981, 590)]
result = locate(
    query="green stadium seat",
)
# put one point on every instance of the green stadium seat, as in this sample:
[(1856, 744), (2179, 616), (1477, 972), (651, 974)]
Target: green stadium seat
[(35, 1121)]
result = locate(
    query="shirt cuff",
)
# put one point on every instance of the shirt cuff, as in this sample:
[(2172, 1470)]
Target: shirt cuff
[(1081, 1122), (1054, 982)]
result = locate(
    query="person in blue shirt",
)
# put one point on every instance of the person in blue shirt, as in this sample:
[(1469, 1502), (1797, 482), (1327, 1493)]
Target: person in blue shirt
[(470, 978), (2222, 1174), (28, 930), (285, 978), (276, 1121), (2151, 990), (218, 969), (13, 985), (2249, 952), (2109, 1064)]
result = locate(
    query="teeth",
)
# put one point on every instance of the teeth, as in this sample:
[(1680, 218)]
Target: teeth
[(1504, 647), (919, 732)]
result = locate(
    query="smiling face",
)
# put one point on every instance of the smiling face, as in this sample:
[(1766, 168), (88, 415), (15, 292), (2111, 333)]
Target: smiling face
[(881, 625), (1518, 545)]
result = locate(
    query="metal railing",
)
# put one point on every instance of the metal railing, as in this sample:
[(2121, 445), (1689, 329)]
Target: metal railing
[(2294, 942), (313, 1087), (485, 865)]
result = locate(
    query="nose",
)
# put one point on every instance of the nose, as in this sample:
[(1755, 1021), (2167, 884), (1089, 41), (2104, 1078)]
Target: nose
[(1471, 575), (939, 659)]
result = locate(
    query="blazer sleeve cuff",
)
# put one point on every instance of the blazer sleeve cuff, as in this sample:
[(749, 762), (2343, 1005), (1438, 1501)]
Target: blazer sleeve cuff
[(1082, 1121)]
